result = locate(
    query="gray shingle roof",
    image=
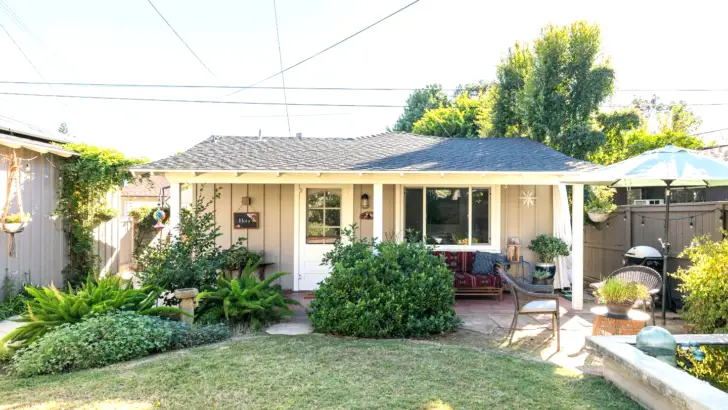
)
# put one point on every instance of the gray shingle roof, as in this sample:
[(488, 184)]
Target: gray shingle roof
[(382, 152), (148, 187)]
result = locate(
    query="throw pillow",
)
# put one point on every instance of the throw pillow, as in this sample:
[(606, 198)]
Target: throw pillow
[(483, 263)]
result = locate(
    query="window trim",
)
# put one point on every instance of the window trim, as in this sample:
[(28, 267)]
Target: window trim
[(494, 216), (324, 226)]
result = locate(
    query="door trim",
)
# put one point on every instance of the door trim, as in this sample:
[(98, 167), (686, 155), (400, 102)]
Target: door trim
[(347, 218)]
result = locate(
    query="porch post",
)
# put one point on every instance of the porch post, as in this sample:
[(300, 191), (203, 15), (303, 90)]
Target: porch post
[(378, 209), (577, 247), (175, 206)]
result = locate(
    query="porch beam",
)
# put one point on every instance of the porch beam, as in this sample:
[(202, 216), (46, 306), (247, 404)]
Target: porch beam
[(577, 247), (378, 209), (175, 206)]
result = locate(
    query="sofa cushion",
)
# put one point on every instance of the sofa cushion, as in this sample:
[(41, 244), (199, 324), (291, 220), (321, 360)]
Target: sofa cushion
[(484, 262), (539, 306)]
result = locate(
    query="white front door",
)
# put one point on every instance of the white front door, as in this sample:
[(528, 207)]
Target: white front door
[(323, 211)]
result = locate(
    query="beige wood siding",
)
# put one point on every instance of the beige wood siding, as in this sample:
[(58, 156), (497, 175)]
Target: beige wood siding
[(526, 222), (41, 247), (274, 236), (366, 226)]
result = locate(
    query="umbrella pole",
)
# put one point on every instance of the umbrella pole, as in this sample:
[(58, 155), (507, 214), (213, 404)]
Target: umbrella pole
[(665, 250)]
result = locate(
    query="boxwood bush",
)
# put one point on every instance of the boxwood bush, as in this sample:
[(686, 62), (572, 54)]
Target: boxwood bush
[(384, 290), (101, 340)]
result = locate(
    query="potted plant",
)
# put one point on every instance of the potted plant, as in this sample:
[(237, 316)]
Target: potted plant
[(620, 296), (600, 203), (548, 248), (542, 277), (15, 223), (235, 258)]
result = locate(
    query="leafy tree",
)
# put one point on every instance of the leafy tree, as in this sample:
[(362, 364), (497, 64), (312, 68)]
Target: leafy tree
[(627, 131), (63, 128), (503, 117), (418, 102), (456, 121), (473, 90), (568, 83)]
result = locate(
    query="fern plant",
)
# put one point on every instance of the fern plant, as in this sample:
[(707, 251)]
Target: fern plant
[(245, 300), (50, 307)]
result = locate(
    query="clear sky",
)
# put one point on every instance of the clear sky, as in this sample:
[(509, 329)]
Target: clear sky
[(652, 45)]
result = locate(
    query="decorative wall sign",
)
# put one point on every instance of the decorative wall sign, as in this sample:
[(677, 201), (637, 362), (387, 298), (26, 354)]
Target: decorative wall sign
[(245, 220), (367, 215), (528, 198)]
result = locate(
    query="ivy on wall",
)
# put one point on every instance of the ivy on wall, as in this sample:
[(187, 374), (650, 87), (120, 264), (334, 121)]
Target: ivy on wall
[(144, 223), (86, 179)]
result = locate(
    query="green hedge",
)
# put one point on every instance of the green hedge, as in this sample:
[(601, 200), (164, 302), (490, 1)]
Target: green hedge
[(102, 340), (384, 290)]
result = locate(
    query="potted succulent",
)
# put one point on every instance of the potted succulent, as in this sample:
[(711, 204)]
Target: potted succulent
[(600, 203), (620, 296), (548, 248), (15, 223), (542, 277)]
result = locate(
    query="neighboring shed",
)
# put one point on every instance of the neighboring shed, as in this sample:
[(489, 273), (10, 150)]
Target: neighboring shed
[(41, 248)]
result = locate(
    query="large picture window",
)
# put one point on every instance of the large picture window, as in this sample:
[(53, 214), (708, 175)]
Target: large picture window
[(449, 216)]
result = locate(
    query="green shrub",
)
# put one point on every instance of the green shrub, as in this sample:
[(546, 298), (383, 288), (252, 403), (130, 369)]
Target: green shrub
[(51, 307), (6, 354), (245, 300), (239, 255), (705, 285), (100, 340), (12, 302), (618, 291), (548, 248), (384, 290)]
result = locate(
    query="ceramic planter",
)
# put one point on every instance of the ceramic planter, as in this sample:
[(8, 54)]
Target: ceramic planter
[(619, 309), (549, 267), (13, 228), (598, 217), (544, 281)]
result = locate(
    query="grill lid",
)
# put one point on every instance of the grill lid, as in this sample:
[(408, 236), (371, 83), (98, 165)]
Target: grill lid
[(641, 252)]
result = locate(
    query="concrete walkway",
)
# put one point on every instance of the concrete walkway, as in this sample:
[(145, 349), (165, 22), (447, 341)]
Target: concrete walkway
[(7, 326)]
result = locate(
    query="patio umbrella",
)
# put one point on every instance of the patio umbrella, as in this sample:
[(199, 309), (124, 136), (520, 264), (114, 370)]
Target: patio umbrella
[(670, 167)]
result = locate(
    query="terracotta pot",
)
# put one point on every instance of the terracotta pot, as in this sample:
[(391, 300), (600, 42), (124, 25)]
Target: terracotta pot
[(619, 309), (598, 217)]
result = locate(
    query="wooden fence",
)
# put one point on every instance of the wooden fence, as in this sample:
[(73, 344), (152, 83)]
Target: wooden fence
[(605, 244)]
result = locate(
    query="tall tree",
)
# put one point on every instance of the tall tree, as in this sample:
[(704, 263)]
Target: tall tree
[(570, 79), (430, 97), (502, 117), (458, 120)]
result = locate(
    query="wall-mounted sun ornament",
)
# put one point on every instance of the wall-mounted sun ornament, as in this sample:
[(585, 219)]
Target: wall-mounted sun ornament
[(528, 198)]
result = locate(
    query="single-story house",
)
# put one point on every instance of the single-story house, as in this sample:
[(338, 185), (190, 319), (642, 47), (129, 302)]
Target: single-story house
[(151, 192), (41, 250), (291, 196)]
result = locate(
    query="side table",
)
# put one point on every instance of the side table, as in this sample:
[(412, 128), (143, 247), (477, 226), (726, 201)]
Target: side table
[(606, 324)]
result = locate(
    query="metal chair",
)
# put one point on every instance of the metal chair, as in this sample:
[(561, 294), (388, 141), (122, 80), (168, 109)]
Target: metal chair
[(528, 302), (639, 274)]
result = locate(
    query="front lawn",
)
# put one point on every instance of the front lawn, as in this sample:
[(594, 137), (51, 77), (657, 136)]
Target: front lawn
[(317, 372)]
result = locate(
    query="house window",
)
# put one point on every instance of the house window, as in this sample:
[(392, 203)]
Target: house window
[(450, 216), (323, 215)]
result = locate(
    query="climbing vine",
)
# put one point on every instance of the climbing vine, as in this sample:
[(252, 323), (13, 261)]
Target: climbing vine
[(86, 179), (144, 223)]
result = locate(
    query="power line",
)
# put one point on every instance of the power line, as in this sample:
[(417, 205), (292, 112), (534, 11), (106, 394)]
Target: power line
[(211, 86), (280, 59), (97, 97), (708, 132), (326, 49), (295, 115), (182, 40)]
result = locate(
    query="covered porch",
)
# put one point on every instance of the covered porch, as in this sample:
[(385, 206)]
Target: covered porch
[(299, 215)]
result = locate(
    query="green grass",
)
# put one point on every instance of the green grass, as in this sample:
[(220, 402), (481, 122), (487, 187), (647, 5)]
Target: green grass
[(319, 372)]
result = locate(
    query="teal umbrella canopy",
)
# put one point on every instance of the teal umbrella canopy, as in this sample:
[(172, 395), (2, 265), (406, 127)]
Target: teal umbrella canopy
[(681, 166)]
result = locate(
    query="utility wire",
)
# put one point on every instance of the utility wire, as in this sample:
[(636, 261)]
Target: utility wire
[(206, 86), (97, 97), (708, 132), (182, 40), (280, 59), (326, 49)]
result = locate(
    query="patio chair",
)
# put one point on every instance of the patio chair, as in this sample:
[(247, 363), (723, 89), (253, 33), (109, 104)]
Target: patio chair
[(528, 302), (640, 274)]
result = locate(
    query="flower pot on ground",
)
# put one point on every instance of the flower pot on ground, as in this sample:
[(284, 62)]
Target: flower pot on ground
[(600, 203), (620, 296), (15, 223)]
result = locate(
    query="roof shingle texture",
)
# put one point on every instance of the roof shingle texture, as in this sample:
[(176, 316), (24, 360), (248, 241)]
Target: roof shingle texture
[(147, 187), (382, 152)]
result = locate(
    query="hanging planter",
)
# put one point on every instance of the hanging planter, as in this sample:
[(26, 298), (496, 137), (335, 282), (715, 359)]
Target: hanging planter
[(13, 223), (600, 203), (598, 216)]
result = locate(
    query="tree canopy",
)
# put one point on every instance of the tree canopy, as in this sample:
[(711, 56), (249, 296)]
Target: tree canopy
[(456, 120), (428, 98)]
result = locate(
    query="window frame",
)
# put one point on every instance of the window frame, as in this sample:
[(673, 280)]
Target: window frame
[(324, 208), (494, 210)]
